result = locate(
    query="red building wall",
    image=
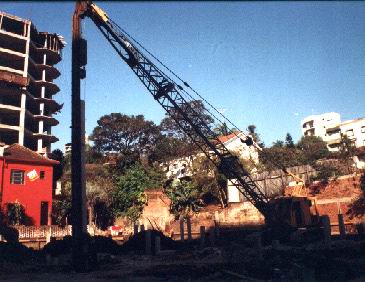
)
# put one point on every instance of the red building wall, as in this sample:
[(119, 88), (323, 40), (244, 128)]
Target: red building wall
[(31, 193)]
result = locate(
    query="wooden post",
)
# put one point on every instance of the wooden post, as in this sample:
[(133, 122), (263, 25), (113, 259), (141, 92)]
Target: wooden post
[(202, 237), (48, 235), (135, 228), (258, 245), (326, 224), (212, 236), (341, 226), (188, 224), (148, 242), (157, 245), (216, 224), (182, 229)]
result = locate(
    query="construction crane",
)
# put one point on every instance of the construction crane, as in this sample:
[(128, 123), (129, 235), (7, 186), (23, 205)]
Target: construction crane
[(172, 97)]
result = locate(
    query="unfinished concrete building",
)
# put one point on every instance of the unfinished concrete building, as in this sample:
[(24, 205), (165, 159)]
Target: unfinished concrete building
[(27, 72)]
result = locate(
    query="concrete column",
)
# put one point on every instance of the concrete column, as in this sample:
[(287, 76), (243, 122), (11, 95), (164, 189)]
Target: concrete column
[(148, 242), (182, 230), (135, 228), (48, 235), (23, 95), (212, 236), (326, 224), (202, 237), (258, 245), (341, 226), (157, 245), (22, 119), (26, 60), (188, 224)]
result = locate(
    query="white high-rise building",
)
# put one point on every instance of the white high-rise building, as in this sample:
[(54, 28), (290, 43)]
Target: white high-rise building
[(329, 127)]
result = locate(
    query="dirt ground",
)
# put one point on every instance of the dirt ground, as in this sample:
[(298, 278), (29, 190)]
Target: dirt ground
[(341, 260)]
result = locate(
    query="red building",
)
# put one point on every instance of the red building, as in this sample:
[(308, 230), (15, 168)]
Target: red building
[(26, 177)]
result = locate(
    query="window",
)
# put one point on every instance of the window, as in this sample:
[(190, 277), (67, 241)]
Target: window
[(350, 133), (17, 176), (363, 129), (41, 174)]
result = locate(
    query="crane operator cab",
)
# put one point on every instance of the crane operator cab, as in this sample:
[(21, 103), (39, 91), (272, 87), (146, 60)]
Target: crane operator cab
[(293, 214)]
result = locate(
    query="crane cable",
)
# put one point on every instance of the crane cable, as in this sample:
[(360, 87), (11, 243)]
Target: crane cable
[(187, 85), (257, 146)]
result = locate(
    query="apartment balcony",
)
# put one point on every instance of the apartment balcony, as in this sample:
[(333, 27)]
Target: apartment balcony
[(12, 42), (12, 61), (309, 132), (9, 109), (36, 87), (50, 104), (8, 77), (37, 51), (5, 128), (49, 138), (46, 119), (36, 69)]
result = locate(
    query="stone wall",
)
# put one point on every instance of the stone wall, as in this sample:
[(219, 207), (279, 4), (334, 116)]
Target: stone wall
[(157, 214), (337, 194)]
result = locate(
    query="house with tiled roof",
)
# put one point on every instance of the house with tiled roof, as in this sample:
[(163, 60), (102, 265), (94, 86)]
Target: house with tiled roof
[(180, 167), (26, 178)]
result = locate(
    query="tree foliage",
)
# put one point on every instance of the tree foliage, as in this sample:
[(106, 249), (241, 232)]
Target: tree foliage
[(222, 129), (313, 148), (57, 155), (129, 196), (15, 214), (211, 184), (255, 136), (185, 198), (289, 143), (357, 208), (124, 135), (281, 157), (174, 136)]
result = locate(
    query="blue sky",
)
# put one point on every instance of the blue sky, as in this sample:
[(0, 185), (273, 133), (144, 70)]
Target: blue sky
[(266, 63)]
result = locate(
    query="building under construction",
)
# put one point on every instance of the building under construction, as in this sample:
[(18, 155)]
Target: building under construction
[(27, 72)]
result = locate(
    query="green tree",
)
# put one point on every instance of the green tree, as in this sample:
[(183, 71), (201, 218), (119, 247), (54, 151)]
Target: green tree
[(357, 208), (92, 156), (99, 188), (210, 183), (278, 144), (313, 149), (129, 196), (222, 129), (57, 155), (16, 214), (255, 136), (280, 157), (124, 135), (346, 152), (175, 135), (185, 198), (169, 147), (61, 209), (289, 143)]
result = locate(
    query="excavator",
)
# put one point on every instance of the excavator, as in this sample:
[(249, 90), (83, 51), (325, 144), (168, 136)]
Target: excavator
[(289, 213)]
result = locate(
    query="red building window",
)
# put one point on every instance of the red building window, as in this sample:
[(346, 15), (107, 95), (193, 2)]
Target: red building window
[(17, 176), (41, 174)]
